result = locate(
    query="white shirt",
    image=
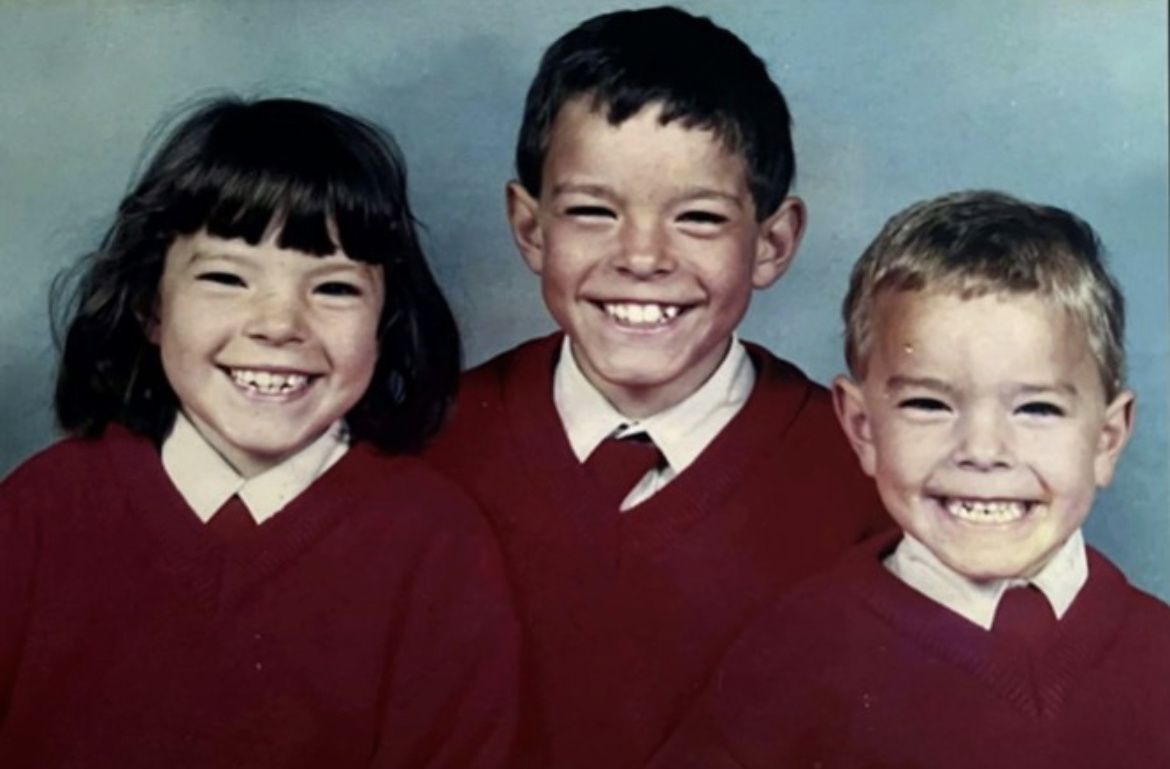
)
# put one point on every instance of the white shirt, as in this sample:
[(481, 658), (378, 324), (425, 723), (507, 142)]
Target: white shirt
[(680, 432), (1060, 580), (206, 480)]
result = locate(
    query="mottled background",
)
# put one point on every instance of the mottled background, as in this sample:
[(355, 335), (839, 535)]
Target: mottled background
[(1063, 101)]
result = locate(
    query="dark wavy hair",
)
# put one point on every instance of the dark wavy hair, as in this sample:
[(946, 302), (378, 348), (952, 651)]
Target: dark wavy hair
[(701, 74), (236, 168)]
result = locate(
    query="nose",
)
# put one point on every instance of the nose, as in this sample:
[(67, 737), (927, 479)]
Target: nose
[(984, 442), (644, 250), (276, 318)]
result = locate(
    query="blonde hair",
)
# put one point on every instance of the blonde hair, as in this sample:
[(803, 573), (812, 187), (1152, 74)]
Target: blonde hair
[(982, 242)]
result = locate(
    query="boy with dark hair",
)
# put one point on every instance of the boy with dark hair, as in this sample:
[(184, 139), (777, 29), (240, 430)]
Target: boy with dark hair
[(988, 402), (652, 478)]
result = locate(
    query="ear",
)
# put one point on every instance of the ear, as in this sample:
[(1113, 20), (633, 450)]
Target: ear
[(779, 238), (849, 403), (149, 323), (1115, 432), (524, 219)]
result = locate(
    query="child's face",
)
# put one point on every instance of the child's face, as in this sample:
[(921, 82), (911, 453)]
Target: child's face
[(646, 241), (265, 347), (985, 425)]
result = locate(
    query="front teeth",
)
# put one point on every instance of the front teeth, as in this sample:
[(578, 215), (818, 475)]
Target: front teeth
[(268, 382), (632, 314), (986, 511)]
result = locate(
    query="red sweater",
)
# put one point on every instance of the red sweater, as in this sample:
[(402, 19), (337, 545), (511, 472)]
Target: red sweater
[(365, 625), (856, 669), (626, 613)]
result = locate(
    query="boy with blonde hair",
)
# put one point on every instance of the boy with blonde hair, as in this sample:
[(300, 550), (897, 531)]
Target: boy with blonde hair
[(987, 400)]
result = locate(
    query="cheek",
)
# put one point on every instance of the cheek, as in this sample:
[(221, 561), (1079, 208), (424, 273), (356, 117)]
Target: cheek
[(176, 340), (557, 270), (360, 349), (903, 460), (730, 275), (567, 248), (1065, 460), (184, 321)]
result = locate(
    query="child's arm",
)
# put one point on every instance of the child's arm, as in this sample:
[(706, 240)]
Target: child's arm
[(453, 688)]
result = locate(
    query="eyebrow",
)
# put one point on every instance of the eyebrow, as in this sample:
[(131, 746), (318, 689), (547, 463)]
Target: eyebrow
[(1067, 388), (207, 256), (321, 265), (687, 194), (898, 383), (583, 188), (706, 193)]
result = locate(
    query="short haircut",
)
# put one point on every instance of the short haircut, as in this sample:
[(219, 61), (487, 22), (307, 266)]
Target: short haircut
[(237, 168), (982, 242), (702, 75)]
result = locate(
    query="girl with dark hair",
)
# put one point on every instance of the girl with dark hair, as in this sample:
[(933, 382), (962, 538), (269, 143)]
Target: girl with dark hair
[(233, 561)]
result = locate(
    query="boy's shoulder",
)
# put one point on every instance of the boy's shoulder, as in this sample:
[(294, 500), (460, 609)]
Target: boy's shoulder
[(826, 610), (1143, 612), (522, 374), (528, 359), (803, 638), (780, 377), (818, 608), (396, 488)]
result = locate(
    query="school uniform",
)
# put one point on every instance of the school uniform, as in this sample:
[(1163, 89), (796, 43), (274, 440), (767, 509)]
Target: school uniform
[(362, 621), (862, 667), (628, 602)]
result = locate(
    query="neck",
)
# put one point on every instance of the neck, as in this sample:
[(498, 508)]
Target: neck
[(641, 401)]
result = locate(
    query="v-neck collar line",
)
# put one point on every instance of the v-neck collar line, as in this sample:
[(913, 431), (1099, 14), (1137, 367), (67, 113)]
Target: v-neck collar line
[(1036, 681), (692, 496), (220, 573)]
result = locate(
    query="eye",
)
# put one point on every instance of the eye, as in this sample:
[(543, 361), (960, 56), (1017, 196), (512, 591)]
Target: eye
[(923, 404), (1041, 409), (338, 288), (590, 212), (702, 217), (221, 278)]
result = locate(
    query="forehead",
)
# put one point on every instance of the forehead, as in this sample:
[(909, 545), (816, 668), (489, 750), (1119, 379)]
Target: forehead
[(202, 246), (1000, 337), (582, 139)]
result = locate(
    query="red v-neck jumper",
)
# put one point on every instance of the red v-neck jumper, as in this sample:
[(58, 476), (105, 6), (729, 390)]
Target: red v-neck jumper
[(365, 625), (626, 613), (854, 669)]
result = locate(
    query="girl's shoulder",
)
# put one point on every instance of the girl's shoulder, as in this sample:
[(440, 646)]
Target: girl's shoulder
[(77, 462), (416, 486), (61, 456), (379, 472)]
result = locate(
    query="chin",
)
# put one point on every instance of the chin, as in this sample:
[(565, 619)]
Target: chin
[(987, 569)]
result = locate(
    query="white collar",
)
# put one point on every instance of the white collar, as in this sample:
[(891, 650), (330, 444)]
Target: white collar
[(680, 432), (206, 480), (1060, 580)]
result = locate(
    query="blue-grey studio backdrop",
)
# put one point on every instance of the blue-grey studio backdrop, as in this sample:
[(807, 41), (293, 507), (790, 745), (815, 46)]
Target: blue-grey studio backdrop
[(1063, 101)]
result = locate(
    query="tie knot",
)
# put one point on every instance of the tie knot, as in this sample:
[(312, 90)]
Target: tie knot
[(1023, 615), (617, 464)]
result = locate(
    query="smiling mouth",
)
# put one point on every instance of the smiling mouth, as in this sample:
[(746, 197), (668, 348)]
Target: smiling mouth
[(986, 511), (268, 382), (642, 314)]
